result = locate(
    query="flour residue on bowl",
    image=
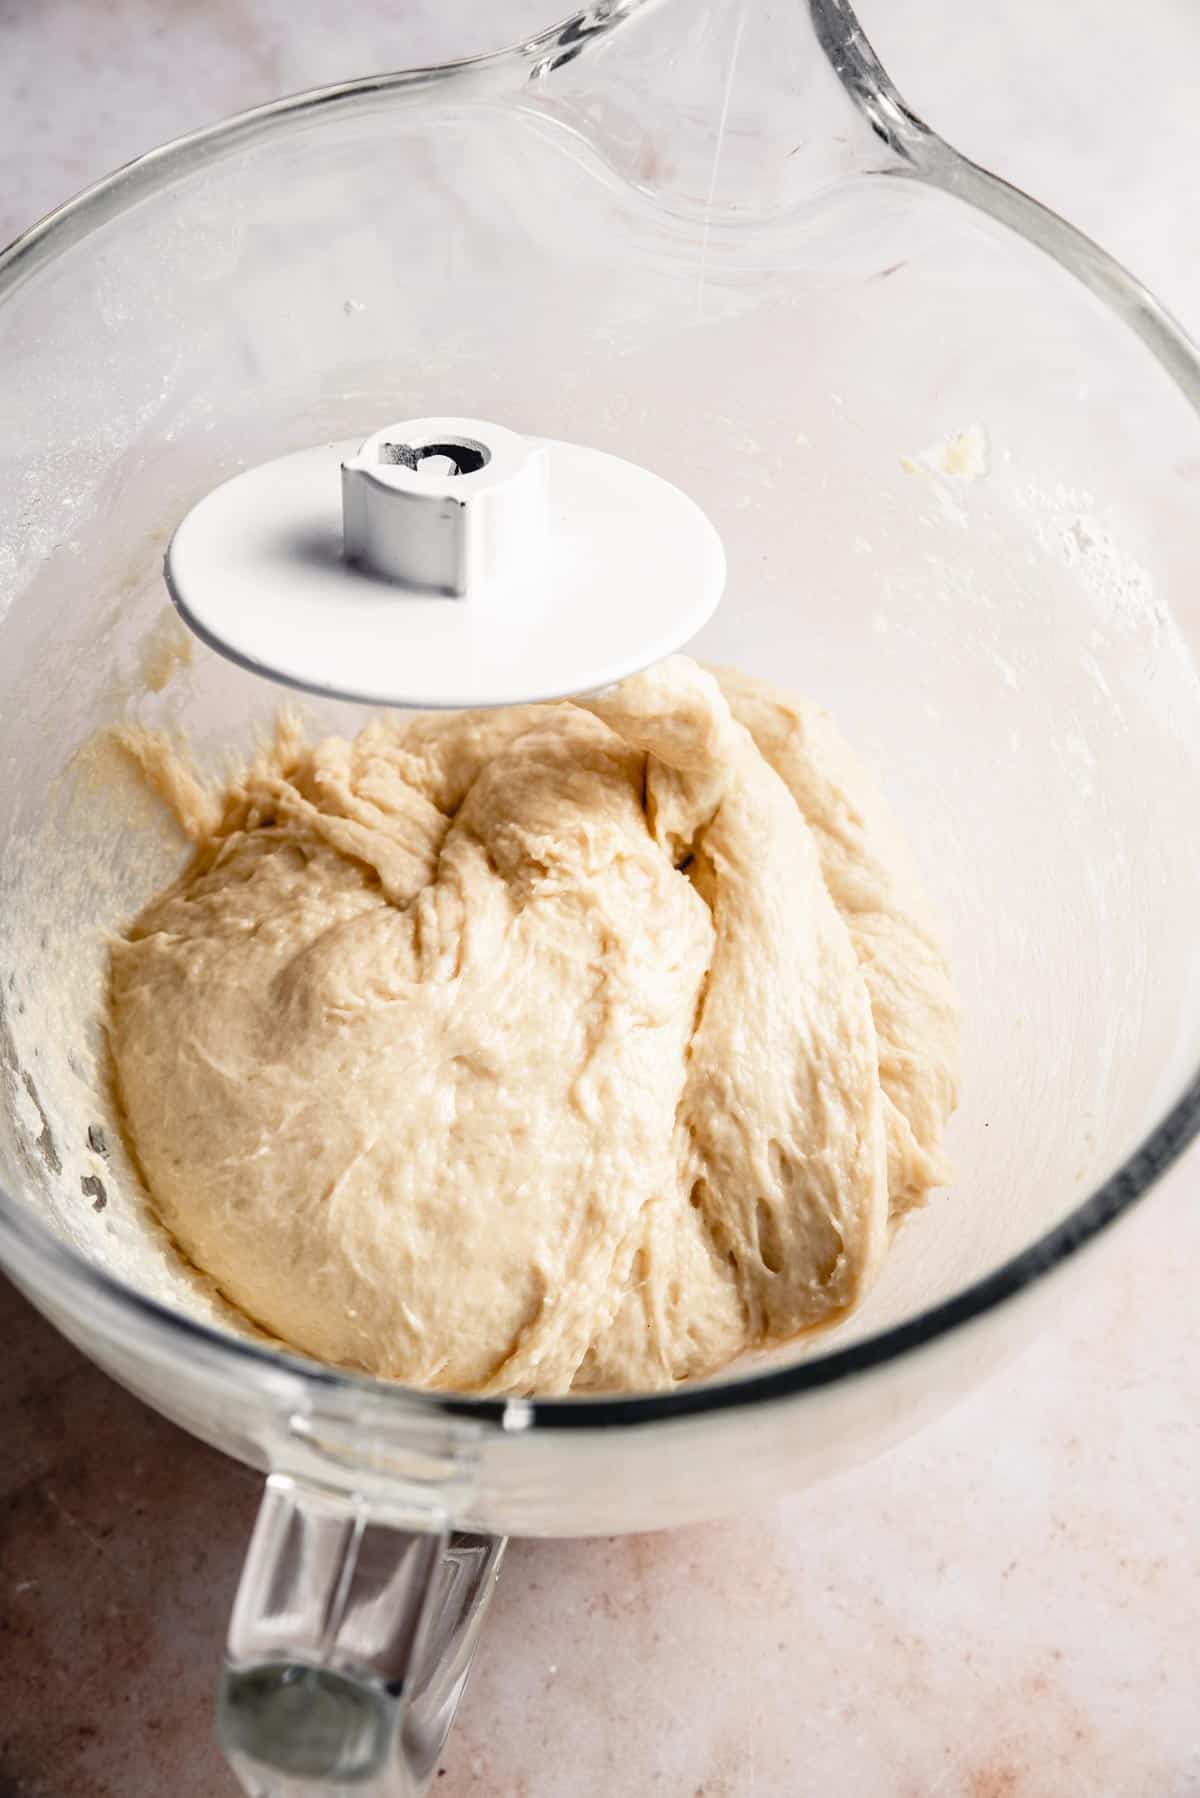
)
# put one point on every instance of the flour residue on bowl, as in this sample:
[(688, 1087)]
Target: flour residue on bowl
[(963, 455)]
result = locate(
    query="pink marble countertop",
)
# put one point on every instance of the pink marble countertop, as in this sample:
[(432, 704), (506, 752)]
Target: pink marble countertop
[(1007, 1606)]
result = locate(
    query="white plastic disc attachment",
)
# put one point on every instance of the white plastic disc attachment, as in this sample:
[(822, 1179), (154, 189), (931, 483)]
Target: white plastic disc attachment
[(470, 566)]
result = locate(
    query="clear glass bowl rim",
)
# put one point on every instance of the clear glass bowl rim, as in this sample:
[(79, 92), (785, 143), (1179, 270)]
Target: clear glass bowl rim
[(64, 1268)]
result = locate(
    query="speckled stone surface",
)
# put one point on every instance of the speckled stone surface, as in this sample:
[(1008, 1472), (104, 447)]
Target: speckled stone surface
[(1006, 1607)]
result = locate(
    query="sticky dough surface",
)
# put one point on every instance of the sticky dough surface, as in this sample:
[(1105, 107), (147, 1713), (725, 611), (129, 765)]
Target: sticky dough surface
[(564, 1047)]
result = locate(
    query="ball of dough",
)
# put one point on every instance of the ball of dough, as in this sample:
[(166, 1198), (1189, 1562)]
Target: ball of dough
[(581, 1046)]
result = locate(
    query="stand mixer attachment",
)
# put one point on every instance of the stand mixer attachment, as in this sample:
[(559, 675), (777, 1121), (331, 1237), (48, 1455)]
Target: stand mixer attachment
[(463, 565)]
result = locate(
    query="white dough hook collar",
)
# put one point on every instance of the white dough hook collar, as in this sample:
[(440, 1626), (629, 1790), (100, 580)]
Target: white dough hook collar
[(446, 562)]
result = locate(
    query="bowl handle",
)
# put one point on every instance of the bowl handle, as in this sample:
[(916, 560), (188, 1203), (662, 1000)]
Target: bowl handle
[(349, 1645)]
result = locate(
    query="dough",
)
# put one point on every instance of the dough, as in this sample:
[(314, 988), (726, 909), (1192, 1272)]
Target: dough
[(578, 1046)]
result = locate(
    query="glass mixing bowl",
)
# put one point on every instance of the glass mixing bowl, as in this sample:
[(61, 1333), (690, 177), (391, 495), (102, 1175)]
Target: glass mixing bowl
[(952, 450)]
